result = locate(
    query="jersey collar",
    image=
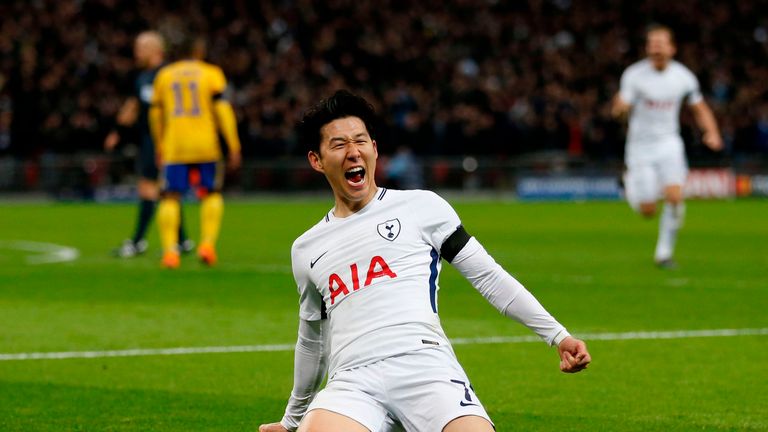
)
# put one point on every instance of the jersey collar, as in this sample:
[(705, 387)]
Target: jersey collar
[(380, 191)]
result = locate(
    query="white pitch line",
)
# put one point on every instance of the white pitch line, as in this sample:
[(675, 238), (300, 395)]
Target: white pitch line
[(671, 334), (137, 352), (46, 253), (639, 335)]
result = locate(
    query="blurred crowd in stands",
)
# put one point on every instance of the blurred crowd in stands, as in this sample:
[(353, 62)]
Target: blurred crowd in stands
[(482, 77)]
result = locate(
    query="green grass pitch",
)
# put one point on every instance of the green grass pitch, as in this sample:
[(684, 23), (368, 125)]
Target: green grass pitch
[(589, 264)]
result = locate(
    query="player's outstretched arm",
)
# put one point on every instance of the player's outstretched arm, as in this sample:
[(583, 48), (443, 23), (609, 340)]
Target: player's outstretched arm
[(619, 107), (126, 117), (225, 117), (129, 112), (574, 356), (310, 367), (512, 299), (111, 140), (706, 121), (504, 291)]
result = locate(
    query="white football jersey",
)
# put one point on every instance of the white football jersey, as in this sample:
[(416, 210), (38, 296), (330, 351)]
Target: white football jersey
[(656, 97), (374, 276)]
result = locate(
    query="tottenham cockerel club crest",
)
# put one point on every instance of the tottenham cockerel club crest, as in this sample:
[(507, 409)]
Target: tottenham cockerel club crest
[(389, 230)]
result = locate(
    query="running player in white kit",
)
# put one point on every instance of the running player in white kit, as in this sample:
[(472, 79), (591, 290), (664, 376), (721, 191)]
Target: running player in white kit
[(652, 91), (367, 276)]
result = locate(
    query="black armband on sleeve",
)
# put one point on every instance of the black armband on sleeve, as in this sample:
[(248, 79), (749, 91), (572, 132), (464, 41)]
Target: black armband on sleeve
[(454, 243)]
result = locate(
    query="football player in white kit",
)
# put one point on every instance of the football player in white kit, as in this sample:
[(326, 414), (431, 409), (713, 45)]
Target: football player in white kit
[(651, 92), (367, 276)]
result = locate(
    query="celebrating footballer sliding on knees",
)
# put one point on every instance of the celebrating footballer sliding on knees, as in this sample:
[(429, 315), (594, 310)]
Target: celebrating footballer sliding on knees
[(368, 283)]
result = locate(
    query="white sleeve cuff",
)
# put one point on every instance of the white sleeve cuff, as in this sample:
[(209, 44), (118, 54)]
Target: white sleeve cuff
[(560, 336), (289, 424)]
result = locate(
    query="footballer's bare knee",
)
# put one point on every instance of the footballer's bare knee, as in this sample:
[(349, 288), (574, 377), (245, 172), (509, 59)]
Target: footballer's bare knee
[(647, 209), (673, 194), (469, 423), (148, 189), (320, 420)]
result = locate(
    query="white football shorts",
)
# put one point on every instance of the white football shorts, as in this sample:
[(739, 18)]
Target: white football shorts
[(420, 390), (645, 180)]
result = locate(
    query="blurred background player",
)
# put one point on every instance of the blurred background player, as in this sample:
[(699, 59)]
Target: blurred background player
[(652, 91), (187, 112), (149, 52)]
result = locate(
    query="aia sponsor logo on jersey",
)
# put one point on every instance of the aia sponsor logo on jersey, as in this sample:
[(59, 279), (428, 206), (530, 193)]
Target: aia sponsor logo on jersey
[(659, 104), (389, 230), (376, 269)]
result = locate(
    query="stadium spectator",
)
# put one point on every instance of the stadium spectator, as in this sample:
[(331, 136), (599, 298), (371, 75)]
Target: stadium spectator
[(149, 51), (516, 77), (652, 91), (187, 114), (386, 325)]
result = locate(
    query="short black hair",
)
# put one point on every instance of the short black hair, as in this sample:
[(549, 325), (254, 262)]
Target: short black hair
[(342, 104)]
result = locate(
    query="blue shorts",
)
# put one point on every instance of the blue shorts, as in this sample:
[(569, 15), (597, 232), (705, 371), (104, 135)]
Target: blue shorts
[(206, 177)]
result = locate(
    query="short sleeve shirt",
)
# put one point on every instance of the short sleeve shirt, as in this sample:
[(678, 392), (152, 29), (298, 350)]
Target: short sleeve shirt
[(656, 97)]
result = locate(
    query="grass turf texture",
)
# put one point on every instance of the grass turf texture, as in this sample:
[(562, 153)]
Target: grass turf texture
[(589, 264)]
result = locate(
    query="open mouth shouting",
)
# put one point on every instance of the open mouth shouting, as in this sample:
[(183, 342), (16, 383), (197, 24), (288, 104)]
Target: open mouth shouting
[(355, 176)]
